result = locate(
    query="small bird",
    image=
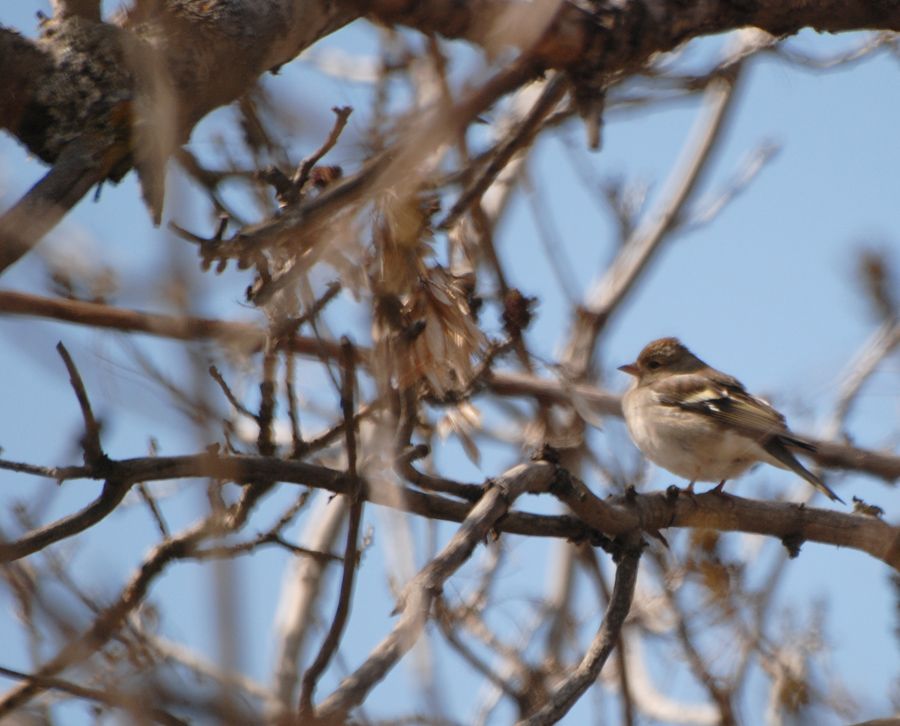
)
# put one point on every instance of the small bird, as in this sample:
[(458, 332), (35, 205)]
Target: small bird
[(700, 423)]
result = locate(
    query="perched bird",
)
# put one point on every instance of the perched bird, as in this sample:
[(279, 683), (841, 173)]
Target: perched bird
[(700, 423)]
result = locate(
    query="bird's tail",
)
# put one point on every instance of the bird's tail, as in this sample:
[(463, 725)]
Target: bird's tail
[(776, 448)]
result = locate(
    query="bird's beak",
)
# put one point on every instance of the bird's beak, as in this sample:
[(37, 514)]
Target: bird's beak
[(630, 368)]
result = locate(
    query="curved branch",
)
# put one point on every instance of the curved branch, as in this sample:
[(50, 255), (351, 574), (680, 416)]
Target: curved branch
[(609, 290), (586, 673), (110, 619), (112, 494)]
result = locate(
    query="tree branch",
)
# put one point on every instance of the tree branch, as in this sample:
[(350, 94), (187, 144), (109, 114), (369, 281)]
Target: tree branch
[(351, 549), (81, 165), (417, 598), (93, 451), (109, 620), (181, 46), (576, 683), (613, 517)]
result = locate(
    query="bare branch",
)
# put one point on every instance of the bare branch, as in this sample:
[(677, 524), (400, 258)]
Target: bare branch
[(607, 293), (520, 138), (108, 622), (301, 588), (111, 496), (418, 596), (93, 451), (351, 550), (81, 165), (301, 176), (615, 516), (576, 683), (881, 344)]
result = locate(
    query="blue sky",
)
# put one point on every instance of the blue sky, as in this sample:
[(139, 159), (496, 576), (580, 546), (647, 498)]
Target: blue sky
[(767, 291)]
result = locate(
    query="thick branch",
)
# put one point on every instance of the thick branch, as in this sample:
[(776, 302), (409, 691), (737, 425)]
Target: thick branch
[(619, 36), (616, 516), (178, 50), (21, 61)]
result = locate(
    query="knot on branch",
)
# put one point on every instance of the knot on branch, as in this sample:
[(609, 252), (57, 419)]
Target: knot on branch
[(625, 545), (518, 311), (792, 543), (562, 485), (597, 539), (546, 453)]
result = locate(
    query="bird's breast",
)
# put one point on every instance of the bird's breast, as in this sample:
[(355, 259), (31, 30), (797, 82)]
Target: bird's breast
[(688, 444)]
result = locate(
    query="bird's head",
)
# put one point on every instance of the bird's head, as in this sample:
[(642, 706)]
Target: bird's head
[(663, 357)]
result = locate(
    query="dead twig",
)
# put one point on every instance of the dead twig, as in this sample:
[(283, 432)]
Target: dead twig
[(301, 176)]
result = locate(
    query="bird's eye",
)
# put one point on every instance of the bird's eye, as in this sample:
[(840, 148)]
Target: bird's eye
[(653, 365)]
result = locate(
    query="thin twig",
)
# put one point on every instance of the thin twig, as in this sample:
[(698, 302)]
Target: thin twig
[(299, 601), (268, 538), (880, 345), (161, 525), (444, 616), (351, 553), (327, 437), (523, 135), (301, 176), (297, 443), (135, 704), (265, 441), (93, 451), (111, 619), (292, 325), (232, 399), (720, 694), (403, 467)]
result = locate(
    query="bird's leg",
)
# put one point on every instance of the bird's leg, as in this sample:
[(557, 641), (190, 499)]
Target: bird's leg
[(717, 489), (689, 489)]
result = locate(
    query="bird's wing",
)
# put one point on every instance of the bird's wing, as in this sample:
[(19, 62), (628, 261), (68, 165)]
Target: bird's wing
[(724, 399)]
